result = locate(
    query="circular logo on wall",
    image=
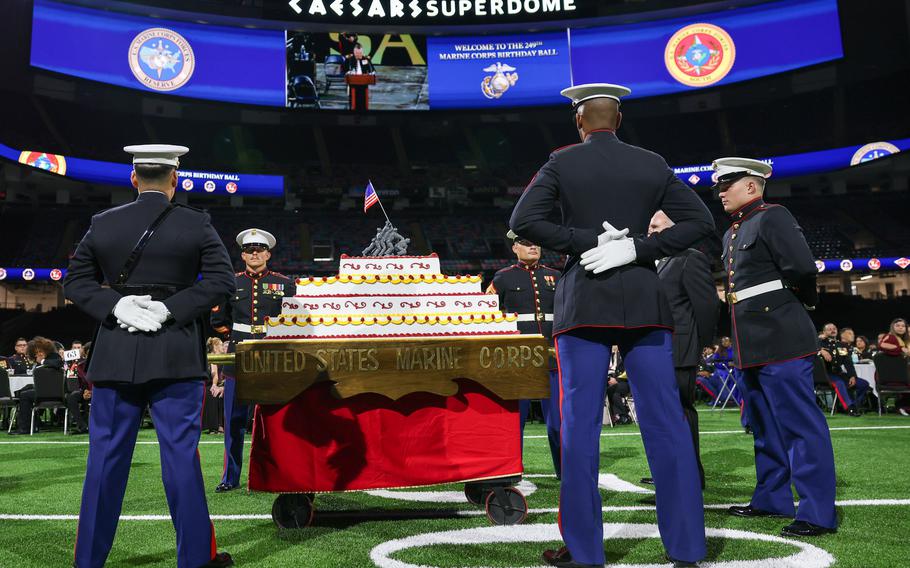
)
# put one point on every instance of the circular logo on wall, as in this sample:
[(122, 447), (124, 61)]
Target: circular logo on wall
[(846, 265), (53, 163), (209, 186), (820, 265), (874, 263), (699, 55), (28, 274), (231, 187), (56, 274), (161, 59), (873, 151), (2, 274), (187, 184)]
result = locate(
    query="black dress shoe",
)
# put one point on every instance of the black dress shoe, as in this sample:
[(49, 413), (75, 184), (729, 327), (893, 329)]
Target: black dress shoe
[(749, 511), (681, 563), (852, 411), (563, 559), (17, 433), (624, 420), (748, 429), (802, 528), (221, 559), (224, 488), (647, 480)]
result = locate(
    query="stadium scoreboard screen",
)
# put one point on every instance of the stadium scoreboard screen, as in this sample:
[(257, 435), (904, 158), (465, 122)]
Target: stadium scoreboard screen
[(431, 12), (306, 67)]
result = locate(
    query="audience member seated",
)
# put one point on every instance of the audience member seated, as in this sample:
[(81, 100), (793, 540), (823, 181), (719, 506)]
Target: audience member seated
[(78, 390), (44, 352), (841, 372), (18, 363), (864, 350), (617, 390), (896, 343)]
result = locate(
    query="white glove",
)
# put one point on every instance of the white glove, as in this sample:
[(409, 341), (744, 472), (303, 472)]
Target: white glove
[(611, 233), (159, 310), (610, 254), (133, 317)]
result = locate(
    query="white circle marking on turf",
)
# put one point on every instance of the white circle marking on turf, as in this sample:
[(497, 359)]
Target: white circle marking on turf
[(808, 556), (526, 487)]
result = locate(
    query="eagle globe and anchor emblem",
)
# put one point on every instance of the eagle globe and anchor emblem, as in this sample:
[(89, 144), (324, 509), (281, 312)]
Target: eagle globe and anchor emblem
[(161, 59), (502, 79), (699, 55)]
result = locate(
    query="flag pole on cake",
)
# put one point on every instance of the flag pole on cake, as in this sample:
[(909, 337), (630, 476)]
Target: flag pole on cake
[(371, 198)]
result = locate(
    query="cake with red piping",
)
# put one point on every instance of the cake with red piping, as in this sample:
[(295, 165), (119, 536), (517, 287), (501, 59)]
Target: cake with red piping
[(390, 296)]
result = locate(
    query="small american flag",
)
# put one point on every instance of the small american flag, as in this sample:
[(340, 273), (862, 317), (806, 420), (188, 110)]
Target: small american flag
[(369, 198)]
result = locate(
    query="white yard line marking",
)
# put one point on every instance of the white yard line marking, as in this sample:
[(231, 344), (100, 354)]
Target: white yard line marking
[(84, 442), (807, 555), (740, 431), (464, 513)]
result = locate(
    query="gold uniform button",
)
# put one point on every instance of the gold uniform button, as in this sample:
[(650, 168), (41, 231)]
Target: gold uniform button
[(732, 284), (766, 308), (731, 248), (255, 301), (731, 273), (735, 226)]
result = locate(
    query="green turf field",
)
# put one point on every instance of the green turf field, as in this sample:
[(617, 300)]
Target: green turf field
[(358, 530)]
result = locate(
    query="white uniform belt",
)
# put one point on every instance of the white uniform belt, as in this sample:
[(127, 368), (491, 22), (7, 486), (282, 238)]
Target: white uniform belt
[(246, 328), (752, 291), (535, 317)]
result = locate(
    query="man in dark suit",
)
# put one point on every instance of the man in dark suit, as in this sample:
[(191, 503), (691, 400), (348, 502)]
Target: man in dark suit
[(770, 280), (610, 294), (148, 351), (686, 280), (358, 64)]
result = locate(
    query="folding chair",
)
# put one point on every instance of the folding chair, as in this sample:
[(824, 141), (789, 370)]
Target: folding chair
[(49, 395), (891, 376), (333, 68), (8, 403), (822, 384)]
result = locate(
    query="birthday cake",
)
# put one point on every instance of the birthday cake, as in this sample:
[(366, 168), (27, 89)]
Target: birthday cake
[(390, 296)]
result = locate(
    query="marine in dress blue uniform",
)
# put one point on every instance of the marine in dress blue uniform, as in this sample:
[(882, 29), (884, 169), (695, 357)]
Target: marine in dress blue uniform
[(527, 289), (610, 294), (770, 278), (258, 294), (838, 361), (136, 272)]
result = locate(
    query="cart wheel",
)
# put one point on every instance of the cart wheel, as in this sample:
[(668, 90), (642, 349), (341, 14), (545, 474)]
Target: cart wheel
[(506, 506), (293, 510), (476, 493)]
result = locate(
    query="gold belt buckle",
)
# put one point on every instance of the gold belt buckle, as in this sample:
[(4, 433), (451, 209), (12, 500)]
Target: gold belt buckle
[(540, 317), (257, 329), (731, 298)]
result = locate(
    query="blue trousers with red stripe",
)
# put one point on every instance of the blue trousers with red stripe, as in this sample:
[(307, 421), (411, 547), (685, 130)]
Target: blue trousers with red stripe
[(176, 408), (792, 442), (843, 393), (235, 419), (550, 408), (584, 356)]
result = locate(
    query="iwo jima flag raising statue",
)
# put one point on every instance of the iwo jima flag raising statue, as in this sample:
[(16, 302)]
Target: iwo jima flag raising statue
[(389, 375)]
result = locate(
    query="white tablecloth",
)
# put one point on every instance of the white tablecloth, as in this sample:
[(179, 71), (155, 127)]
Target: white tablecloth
[(17, 382), (867, 371)]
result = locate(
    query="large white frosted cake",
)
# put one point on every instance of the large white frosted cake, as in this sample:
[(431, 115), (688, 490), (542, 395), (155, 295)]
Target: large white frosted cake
[(390, 296)]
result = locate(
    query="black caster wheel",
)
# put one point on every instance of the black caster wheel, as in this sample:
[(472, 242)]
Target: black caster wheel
[(506, 506), (293, 510), (476, 493)]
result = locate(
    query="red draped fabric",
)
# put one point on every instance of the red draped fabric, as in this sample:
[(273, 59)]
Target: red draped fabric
[(321, 443)]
